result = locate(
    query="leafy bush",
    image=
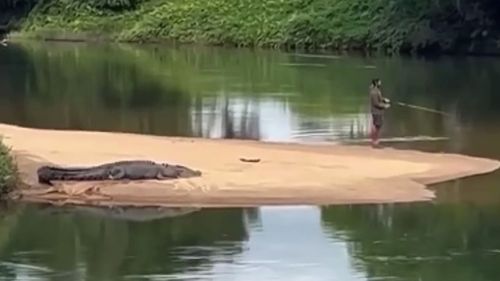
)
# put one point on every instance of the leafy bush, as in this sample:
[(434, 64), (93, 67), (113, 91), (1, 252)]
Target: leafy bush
[(113, 4), (8, 170), (391, 25)]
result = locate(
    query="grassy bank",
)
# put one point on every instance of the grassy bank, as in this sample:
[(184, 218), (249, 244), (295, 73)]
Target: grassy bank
[(8, 170), (390, 25)]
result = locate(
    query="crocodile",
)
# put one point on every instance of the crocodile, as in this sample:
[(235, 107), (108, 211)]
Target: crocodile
[(120, 170)]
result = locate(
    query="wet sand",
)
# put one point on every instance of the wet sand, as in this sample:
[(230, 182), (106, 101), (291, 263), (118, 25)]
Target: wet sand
[(286, 173)]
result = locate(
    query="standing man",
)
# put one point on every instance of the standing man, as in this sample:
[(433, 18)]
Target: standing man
[(378, 104)]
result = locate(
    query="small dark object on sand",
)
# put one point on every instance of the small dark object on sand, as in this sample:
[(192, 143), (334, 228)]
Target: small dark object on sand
[(250, 160)]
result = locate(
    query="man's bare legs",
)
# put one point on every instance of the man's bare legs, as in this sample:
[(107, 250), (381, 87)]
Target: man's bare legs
[(374, 135), (377, 122)]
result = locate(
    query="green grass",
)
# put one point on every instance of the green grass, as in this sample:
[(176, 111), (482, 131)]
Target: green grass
[(8, 170), (390, 25)]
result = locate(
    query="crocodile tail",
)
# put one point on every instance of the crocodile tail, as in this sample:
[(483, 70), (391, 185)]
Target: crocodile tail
[(48, 173), (61, 169), (45, 175), (60, 176), (95, 177), (82, 177)]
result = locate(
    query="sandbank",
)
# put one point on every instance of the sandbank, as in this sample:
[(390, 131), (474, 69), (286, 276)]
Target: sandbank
[(286, 173)]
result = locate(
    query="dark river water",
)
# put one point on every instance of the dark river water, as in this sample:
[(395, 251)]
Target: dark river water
[(270, 96)]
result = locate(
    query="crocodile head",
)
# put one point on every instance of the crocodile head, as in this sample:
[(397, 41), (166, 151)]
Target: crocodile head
[(185, 172)]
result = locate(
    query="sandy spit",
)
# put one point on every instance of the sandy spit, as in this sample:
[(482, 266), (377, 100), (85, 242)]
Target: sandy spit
[(286, 174)]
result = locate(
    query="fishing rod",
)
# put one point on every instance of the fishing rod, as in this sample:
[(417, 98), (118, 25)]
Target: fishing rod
[(423, 108), (417, 107)]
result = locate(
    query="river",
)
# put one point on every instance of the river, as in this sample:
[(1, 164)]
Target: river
[(270, 96)]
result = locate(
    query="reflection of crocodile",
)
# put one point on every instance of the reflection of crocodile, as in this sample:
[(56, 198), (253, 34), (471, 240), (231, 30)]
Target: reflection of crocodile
[(120, 170), (123, 213)]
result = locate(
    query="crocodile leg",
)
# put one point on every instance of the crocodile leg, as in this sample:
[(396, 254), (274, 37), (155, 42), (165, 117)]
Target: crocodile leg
[(116, 173), (160, 176), (166, 172)]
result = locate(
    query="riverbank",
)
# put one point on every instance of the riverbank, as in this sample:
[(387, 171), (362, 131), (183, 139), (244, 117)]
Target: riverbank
[(312, 25), (286, 174)]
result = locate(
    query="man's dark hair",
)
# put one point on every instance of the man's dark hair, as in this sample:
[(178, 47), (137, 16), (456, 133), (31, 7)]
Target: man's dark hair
[(375, 81)]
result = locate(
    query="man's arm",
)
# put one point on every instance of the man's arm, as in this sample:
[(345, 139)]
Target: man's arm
[(379, 101), (384, 102)]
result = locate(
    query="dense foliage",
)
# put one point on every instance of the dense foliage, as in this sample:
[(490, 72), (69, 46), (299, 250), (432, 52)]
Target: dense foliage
[(388, 24)]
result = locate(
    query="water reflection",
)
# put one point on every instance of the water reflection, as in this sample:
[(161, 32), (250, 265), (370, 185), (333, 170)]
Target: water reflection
[(222, 93), (420, 241), (67, 245), (475, 191), (265, 95), (370, 242), (290, 245), (268, 243), (120, 212)]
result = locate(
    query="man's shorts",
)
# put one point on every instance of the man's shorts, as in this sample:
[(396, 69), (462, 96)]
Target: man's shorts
[(378, 120)]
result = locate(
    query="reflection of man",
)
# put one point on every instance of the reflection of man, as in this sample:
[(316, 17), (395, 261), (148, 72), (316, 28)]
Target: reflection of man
[(378, 105)]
